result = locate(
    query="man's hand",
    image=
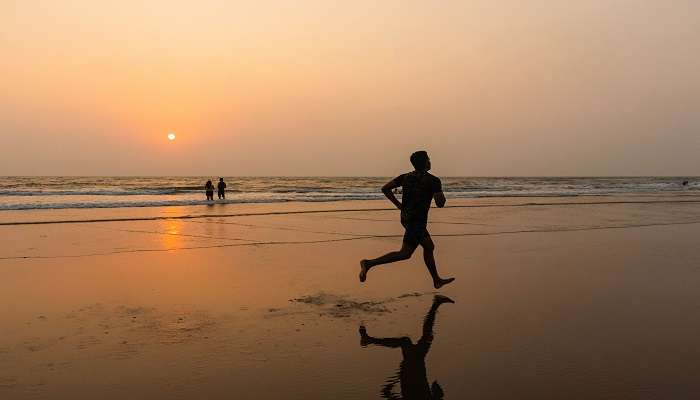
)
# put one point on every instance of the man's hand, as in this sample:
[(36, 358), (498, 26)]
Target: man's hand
[(388, 192)]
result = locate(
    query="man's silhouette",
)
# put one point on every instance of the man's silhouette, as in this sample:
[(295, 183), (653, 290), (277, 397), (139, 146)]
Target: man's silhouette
[(222, 188), (412, 376), (418, 190)]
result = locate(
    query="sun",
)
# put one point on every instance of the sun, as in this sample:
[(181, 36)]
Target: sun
[(171, 136)]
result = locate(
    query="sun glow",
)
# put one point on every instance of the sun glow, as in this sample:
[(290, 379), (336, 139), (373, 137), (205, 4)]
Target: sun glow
[(171, 136)]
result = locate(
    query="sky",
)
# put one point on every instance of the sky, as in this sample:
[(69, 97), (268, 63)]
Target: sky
[(351, 88)]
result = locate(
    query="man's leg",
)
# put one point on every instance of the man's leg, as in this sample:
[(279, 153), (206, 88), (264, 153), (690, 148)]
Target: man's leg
[(429, 258), (427, 338), (403, 254)]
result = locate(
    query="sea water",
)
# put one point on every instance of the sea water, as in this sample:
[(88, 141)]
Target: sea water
[(61, 192)]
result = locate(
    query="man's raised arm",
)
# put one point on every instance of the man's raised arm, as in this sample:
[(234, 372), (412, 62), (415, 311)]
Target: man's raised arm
[(388, 191)]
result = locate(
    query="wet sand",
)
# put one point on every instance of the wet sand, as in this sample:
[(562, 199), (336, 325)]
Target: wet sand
[(553, 299)]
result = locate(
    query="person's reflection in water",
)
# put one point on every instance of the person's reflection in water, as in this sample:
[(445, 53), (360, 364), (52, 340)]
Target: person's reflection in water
[(412, 375)]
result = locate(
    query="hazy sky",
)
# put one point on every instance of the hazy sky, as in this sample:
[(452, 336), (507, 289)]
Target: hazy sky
[(318, 87)]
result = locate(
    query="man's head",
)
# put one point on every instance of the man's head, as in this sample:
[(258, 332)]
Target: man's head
[(420, 161), (221, 179)]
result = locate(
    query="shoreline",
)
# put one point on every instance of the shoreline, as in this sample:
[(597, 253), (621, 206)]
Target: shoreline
[(53, 216), (67, 193)]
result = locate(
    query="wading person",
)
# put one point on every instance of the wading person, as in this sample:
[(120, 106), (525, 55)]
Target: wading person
[(222, 188), (418, 190), (209, 190)]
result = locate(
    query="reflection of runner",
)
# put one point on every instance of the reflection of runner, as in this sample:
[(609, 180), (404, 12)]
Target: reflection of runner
[(418, 190), (412, 376)]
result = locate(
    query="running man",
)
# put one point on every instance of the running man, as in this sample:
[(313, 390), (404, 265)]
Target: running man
[(419, 189)]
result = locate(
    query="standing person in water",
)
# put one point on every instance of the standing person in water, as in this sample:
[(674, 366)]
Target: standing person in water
[(419, 188), (222, 189), (209, 189)]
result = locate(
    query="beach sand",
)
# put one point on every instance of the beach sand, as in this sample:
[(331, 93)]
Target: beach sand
[(553, 299)]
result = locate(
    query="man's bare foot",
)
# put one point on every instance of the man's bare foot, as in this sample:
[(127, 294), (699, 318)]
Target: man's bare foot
[(363, 270), (442, 282), (440, 299)]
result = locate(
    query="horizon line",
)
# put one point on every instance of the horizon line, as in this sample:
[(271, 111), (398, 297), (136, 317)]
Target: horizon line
[(346, 176)]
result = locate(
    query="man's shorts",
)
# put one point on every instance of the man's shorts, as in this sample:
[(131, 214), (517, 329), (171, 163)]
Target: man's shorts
[(414, 233)]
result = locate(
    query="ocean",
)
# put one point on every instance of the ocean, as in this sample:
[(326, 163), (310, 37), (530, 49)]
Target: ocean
[(61, 192)]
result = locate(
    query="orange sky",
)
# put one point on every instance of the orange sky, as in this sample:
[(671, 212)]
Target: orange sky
[(305, 87)]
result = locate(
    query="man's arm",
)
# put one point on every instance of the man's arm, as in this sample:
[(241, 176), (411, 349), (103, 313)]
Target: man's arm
[(388, 191), (440, 199), (438, 195)]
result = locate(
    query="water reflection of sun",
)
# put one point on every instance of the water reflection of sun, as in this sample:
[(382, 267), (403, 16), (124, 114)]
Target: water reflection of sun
[(172, 237)]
